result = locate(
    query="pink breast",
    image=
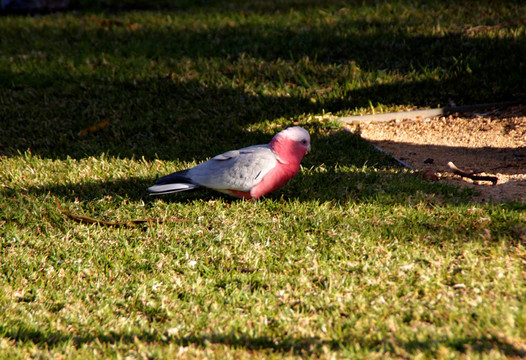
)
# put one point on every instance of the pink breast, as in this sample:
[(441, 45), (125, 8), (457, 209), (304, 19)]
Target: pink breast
[(275, 179)]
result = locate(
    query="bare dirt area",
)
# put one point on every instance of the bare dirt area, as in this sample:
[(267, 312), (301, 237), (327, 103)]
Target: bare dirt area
[(492, 143)]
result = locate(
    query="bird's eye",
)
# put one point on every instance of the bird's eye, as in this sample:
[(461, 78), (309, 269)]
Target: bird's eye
[(304, 142)]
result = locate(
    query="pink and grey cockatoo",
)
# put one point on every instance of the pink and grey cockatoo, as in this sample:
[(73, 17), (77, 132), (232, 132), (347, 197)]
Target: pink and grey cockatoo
[(247, 173)]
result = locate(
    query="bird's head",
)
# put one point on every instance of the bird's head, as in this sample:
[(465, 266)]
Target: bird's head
[(293, 142)]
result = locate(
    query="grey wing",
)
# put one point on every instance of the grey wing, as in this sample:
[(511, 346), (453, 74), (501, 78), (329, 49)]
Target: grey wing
[(235, 170)]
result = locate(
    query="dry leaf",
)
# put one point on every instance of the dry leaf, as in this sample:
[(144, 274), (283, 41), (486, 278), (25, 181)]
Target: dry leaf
[(133, 26), (94, 128)]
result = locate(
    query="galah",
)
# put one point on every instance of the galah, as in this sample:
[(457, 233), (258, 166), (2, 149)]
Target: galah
[(247, 173)]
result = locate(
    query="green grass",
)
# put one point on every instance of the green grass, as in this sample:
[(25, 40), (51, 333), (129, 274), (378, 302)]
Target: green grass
[(355, 258)]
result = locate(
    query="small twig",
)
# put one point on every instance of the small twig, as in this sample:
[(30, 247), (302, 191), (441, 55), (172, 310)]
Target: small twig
[(396, 159), (471, 175), (485, 28), (89, 220)]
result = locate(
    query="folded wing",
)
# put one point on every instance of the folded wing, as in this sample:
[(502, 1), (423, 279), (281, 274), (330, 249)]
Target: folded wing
[(235, 170), (238, 170)]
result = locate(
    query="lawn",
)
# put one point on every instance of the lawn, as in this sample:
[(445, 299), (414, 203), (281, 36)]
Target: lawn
[(354, 258)]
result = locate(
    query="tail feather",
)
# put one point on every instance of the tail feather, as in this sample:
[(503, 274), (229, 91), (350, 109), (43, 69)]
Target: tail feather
[(172, 183), (176, 177), (170, 188)]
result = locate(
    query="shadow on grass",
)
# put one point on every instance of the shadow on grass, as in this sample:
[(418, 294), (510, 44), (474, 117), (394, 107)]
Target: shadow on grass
[(155, 118), (310, 346), (468, 345), (161, 118), (257, 6), (174, 110), (303, 346)]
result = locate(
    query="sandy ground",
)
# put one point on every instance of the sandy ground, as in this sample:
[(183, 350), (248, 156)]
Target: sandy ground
[(491, 143)]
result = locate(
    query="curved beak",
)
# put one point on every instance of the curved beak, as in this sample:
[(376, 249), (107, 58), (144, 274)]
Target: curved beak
[(308, 149)]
